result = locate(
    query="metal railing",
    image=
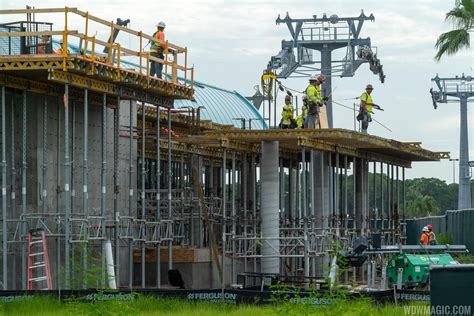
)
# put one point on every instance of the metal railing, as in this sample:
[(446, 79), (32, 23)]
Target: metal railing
[(174, 72)]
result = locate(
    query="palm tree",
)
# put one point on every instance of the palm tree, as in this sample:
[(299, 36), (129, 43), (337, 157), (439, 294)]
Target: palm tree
[(462, 17)]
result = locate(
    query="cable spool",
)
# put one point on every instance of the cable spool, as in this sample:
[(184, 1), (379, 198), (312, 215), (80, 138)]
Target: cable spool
[(266, 81)]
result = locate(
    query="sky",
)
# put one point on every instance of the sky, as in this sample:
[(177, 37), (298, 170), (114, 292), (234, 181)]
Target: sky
[(231, 42)]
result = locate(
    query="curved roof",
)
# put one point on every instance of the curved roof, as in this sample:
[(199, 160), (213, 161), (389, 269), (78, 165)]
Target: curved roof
[(221, 106)]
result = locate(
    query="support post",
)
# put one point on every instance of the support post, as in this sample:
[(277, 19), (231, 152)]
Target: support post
[(234, 227), (224, 211), (12, 181), (4, 198), (103, 177), (130, 190), (85, 175), (116, 191), (158, 195), (464, 198), (67, 192), (170, 147), (142, 196)]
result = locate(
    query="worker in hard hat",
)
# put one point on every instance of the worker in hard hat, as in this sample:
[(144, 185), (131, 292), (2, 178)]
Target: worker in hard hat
[(366, 106), (300, 119), (287, 120), (315, 101), (425, 236), (157, 50), (432, 236), (59, 51)]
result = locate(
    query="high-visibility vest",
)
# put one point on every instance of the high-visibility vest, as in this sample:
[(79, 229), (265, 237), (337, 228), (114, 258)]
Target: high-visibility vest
[(156, 46), (304, 109), (368, 101), (313, 94), (287, 114)]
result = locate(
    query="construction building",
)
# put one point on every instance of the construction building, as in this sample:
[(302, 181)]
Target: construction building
[(94, 149)]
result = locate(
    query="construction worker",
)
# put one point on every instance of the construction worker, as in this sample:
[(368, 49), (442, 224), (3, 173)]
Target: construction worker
[(366, 106), (59, 51), (42, 46), (287, 120), (157, 50), (432, 236), (315, 101), (425, 236)]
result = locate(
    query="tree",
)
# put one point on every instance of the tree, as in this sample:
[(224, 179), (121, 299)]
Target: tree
[(462, 18)]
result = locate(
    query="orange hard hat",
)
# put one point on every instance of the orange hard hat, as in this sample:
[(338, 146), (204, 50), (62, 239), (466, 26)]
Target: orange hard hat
[(429, 227)]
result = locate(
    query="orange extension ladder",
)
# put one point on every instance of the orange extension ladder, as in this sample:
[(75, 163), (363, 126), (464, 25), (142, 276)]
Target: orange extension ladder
[(38, 261)]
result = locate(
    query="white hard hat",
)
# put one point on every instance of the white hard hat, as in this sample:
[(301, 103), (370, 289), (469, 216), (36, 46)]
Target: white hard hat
[(161, 24), (425, 229)]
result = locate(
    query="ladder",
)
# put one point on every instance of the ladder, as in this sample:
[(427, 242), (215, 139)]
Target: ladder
[(39, 274)]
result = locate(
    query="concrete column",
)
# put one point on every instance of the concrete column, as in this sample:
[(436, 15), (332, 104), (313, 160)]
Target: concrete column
[(269, 207), (361, 171), (321, 189)]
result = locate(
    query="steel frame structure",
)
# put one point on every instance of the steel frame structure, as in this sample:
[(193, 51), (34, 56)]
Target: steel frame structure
[(318, 205), (462, 88)]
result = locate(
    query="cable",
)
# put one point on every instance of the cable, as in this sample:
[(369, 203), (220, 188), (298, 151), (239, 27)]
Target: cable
[(352, 109)]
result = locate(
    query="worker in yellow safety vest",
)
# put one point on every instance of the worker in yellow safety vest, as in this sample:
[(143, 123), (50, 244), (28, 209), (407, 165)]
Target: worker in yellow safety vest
[(366, 106), (157, 50), (300, 119), (287, 120), (315, 101)]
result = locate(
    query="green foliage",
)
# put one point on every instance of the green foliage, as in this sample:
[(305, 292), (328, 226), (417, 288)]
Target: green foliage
[(444, 239), (465, 258), (148, 305), (87, 268), (462, 18)]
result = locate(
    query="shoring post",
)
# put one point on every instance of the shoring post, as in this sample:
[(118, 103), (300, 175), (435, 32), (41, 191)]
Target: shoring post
[(336, 194), (313, 207), (243, 185), (142, 195), (374, 208), (4, 198), (103, 178), (170, 147), (85, 174), (397, 208), (13, 178), (305, 210), (403, 192), (116, 191), (346, 201), (44, 192), (382, 215), (254, 204), (354, 188), (158, 195), (23, 187), (224, 211), (130, 194), (67, 192), (234, 213)]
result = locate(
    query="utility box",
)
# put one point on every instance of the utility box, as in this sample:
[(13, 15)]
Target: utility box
[(415, 269)]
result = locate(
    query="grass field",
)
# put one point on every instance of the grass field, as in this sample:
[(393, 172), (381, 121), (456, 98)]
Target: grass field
[(153, 306)]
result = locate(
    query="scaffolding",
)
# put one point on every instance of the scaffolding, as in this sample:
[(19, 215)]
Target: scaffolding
[(103, 156)]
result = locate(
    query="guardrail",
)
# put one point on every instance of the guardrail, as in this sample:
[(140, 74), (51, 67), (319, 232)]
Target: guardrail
[(172, 70)]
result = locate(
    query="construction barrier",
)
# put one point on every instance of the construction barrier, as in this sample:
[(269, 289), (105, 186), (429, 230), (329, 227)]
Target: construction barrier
[(458, 225)]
